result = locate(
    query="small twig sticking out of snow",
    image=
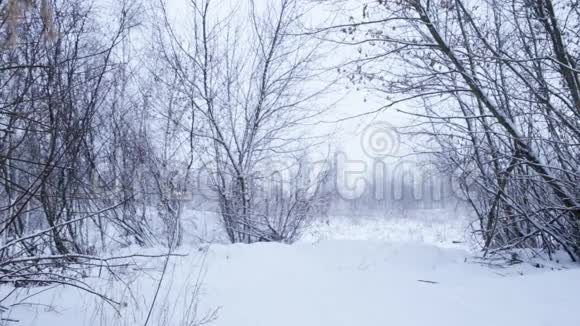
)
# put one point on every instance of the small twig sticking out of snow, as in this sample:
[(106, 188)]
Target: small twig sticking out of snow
[(10, 320), (427, 281)]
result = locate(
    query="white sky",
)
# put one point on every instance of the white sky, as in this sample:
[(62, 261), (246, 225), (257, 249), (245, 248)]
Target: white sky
[(344, 99)]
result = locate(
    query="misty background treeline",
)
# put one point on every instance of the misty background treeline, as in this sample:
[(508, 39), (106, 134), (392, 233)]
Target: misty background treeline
[(115, 116)]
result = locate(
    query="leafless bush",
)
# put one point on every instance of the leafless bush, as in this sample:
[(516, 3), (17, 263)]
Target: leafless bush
[(70, 143), (243, 72), (495, 85)]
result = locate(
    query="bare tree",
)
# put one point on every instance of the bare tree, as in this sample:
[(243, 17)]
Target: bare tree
[(496, 85), (65, 143), (244, 72)]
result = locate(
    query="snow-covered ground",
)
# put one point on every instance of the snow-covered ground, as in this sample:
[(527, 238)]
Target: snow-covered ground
[(441, 227), (368, 271)]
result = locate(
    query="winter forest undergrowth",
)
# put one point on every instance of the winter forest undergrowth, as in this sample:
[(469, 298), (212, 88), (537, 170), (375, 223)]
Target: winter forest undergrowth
[(289, 162)]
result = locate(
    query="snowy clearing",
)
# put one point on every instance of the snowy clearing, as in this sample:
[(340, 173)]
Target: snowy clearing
[(330, 282), (289, 162)]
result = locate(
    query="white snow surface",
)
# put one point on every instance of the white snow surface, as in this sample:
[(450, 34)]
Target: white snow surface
[(327, 279)]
